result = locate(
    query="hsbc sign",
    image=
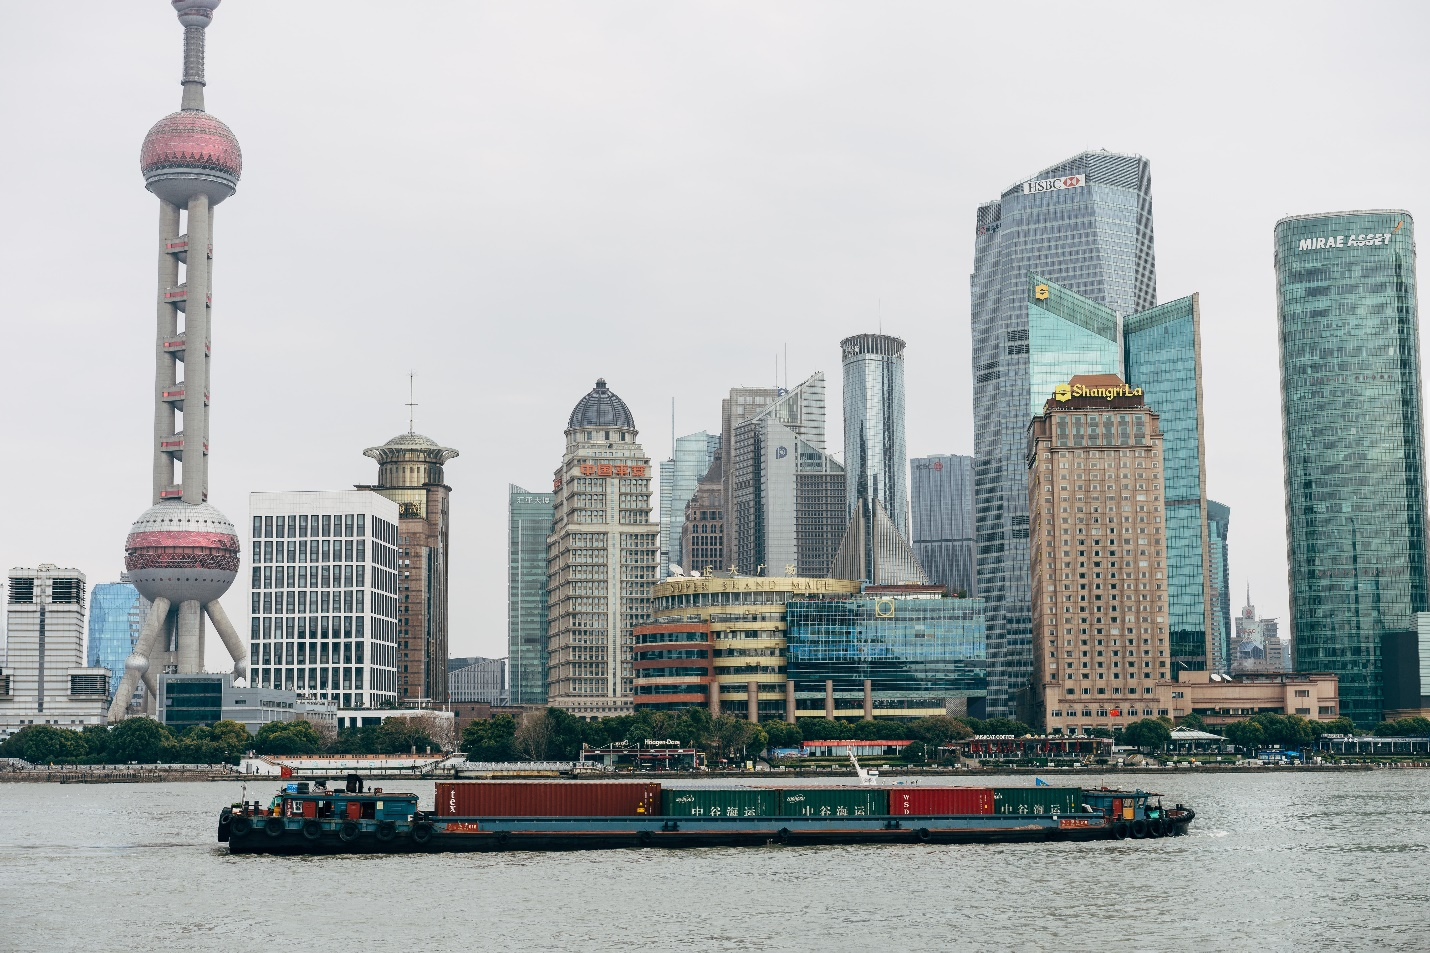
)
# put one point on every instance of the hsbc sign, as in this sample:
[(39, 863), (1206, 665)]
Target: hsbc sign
[(1054, 185)]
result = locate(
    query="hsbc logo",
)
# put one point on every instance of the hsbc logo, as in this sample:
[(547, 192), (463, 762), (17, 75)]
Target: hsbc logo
[(1054, 185)]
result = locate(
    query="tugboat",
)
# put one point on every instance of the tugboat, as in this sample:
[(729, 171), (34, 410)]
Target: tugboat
[(584, 815)]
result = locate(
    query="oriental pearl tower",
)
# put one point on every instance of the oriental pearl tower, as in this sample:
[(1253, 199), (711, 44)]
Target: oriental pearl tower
[(182, 553)]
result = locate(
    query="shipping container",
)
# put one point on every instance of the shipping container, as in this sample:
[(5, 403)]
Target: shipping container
[(919, 800), (547, 798), (833, 802), (719, 802), (1043, 800)]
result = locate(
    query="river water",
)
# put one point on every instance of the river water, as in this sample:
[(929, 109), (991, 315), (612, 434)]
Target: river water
[(1275, 861)]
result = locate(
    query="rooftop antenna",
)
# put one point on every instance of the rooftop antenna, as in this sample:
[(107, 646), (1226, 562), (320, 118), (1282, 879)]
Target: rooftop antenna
[(411, 402)]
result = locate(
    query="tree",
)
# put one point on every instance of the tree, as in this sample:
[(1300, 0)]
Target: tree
[(1000, 726), (1416, 727), (733, 736), (491, 740), (916, 752), (403, 734), (1245, 734), (1194, 721), (783, 735), (879, 731), (139, 740), (826, 729), (939, 730), (47, 744), (287, 737), (1336, 726), (535, 735), (1147, 735)]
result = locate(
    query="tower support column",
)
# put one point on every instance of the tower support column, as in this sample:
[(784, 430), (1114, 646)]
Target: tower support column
[(196, 351), (191, 637)]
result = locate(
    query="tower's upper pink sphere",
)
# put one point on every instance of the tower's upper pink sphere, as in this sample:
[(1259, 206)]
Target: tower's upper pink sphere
[(194, 140)]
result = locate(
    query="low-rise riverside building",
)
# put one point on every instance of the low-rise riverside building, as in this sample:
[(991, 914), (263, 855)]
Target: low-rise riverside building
[(1216, 699), (720, 641)]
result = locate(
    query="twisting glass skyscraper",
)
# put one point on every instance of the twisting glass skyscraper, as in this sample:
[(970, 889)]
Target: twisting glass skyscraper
[(1086, 224), (1354, 443), (876, 452)]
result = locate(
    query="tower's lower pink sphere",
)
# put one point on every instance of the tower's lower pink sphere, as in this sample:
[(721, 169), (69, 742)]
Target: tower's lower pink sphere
[(182, 551)]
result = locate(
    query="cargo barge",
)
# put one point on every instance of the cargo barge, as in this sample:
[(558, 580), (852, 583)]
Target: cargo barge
[(594, 815)]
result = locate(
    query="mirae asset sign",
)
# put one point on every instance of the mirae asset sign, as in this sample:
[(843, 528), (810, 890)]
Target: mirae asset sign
[(1343, 241)]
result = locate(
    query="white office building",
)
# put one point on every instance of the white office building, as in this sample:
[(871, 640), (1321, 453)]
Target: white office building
[(45, 680), (325, 586)]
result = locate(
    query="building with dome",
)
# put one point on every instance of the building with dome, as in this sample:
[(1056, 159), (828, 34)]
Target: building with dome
[(604, 554), (182, 553), (411, 473)]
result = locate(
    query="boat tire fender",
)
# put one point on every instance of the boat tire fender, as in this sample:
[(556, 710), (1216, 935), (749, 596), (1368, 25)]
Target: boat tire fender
[(239, 826), (421, 832), (274, 827), (1120, 830), (502, 838), (312, 830), (386, 831), (225, 817), (923, 834), (1158, 828), (1139, 828), (348, 832), (783, 835), (645, 838)]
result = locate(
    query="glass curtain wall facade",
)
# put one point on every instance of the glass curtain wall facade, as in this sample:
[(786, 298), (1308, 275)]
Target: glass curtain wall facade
[(116, 613), (1218, 527), (784, 517), (1353, 437), (529, 519), (876, 455), (1162, 355), (941, 502), (917, 653), (1085, 223), (679, 476)]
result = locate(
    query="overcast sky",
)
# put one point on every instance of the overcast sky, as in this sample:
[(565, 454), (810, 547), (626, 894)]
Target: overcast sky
[(514, 199)]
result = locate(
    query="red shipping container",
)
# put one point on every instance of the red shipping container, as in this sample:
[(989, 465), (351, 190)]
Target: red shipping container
[(547, 798), (923, 801)]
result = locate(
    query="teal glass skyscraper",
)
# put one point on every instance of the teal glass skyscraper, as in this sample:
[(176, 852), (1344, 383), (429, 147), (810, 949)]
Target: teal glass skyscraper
[(1086, 224), (1354, 443), (1218, 529), (1162, 351), (690, 459), (529, 521), (116, 614)]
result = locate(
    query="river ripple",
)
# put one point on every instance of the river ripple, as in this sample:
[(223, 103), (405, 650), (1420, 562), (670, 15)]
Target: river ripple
[(1275, 861)]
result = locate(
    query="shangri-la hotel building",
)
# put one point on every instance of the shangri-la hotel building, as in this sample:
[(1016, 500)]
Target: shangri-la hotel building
[(1099, 574)]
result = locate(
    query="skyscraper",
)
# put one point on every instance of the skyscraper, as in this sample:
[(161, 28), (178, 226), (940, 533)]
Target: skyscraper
[(182, 553), (784, 520), (876, 456), (45, 680), (411, 472), (1085, 223), (941, 503), (603, 556), (1218, 528), (1354, 444), (116, 616), (702, 543), (326, 594), (690, 460), (1099, 594), (529, 519), (1162, 350), (742, 404)]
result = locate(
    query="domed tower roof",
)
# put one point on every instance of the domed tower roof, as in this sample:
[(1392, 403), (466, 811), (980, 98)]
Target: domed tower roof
[(411, 446), (601, 408)]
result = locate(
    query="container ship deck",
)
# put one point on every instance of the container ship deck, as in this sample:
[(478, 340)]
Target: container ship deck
[(596, 815)]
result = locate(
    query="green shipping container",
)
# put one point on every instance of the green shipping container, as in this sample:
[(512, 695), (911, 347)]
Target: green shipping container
[(1047, 800), (833, 802), (719, 802)]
